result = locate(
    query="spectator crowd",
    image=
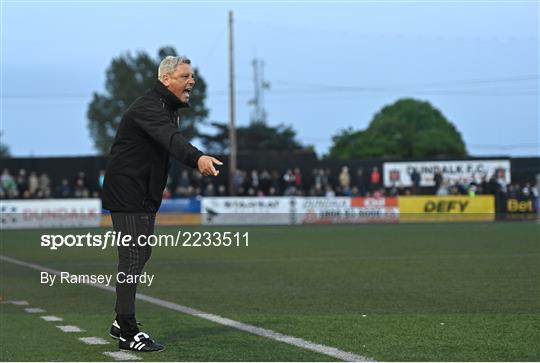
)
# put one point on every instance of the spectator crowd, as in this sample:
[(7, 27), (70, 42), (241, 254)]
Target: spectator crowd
[(24, 185), (318, 182)]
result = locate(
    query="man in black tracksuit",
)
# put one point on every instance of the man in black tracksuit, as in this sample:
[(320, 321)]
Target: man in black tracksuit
[(136, 176)]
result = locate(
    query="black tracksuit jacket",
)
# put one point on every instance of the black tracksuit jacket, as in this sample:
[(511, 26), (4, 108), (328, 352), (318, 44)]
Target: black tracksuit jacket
[(139, 161)]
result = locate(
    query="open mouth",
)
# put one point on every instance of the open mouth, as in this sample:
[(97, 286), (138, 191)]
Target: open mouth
[(187, 92)]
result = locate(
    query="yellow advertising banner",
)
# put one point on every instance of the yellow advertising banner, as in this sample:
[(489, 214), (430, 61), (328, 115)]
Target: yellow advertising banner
[(164, 219), (433, 208)]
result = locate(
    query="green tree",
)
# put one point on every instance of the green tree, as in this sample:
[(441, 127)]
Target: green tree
[(4, 149), (406, 129), (128, 77), (255, 137)]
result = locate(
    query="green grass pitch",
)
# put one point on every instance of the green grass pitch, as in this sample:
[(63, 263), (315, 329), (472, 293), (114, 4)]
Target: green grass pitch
[(404, 292)]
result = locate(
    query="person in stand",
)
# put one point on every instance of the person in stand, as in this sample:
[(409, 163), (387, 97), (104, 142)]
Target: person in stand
[(415, 178), (375, 179)]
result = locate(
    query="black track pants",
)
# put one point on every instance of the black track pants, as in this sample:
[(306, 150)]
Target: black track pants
[(131, 261)]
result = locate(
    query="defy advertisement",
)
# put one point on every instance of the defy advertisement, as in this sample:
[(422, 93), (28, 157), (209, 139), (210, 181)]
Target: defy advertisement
[(432, 208), (400, 174)]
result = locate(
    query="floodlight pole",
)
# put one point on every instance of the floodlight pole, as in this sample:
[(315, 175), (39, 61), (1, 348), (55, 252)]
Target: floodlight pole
[(232, 129)]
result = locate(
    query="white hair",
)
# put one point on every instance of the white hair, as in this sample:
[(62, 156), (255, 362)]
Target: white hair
[(169, 63)]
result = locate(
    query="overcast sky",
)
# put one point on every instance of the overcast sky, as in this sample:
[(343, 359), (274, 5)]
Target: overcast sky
[(330, 65)]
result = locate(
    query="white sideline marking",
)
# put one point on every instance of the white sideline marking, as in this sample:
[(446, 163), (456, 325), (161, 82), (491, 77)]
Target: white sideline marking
[(51, 318), (93, 340), (122, 355), (69, 328), (267, 333), (34, 310), (19, 302)]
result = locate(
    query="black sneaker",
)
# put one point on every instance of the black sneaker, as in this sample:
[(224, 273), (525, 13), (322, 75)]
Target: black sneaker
[(115, 330), (141, 342)]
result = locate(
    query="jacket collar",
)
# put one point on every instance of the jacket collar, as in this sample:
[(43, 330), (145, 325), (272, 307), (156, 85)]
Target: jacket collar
[(168, 97)]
